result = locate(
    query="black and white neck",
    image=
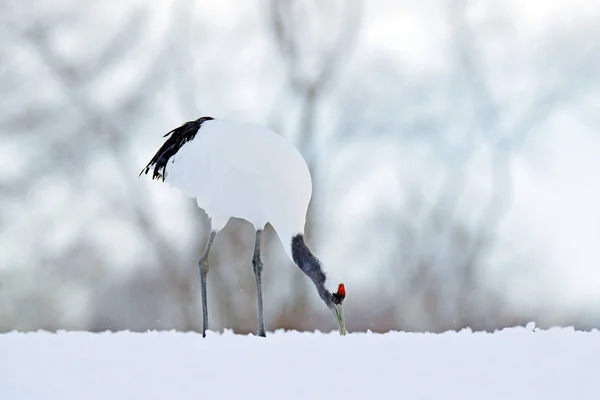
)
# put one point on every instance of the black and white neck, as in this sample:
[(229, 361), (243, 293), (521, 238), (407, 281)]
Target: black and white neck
[(311, 266)]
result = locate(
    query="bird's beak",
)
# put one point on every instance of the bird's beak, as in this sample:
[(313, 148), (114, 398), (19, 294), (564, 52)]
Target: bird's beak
[(339, 317)]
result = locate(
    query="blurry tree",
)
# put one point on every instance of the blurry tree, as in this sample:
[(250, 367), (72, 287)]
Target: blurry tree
[(72, 147), (70, 140), (314, 40), (436, 272)]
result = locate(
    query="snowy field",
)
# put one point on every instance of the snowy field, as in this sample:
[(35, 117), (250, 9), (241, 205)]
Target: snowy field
[(516, 363)]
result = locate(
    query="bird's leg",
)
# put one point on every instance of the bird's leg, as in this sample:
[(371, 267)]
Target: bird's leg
[(258, 266), (203, 265)]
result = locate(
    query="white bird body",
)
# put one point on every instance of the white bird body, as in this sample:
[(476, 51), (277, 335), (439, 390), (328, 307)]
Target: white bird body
[(245, 171), (240, 170)]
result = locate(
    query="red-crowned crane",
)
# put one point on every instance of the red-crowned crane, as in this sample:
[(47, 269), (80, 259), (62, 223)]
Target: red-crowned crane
[(249, 172)]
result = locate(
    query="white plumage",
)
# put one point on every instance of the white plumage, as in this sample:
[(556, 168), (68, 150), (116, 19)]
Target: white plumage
[(245, 171)]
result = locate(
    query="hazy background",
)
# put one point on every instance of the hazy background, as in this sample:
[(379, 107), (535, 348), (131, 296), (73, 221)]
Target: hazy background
[(454, 146)]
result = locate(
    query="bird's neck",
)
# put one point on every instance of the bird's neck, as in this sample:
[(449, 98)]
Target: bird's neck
[(310, 265)]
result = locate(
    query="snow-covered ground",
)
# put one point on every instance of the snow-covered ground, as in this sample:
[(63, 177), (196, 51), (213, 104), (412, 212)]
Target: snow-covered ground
[(516, 363)]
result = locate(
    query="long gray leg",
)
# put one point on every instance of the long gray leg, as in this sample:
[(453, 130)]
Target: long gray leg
[(258, 267), (203, 265)]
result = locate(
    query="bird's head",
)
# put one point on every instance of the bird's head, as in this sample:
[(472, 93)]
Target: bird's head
[(311, 266), (335, 305)]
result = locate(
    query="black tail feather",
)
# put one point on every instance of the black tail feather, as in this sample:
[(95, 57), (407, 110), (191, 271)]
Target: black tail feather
[(178, 137)]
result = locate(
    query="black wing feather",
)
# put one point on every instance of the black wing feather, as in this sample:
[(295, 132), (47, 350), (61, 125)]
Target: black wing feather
[(178, 137)]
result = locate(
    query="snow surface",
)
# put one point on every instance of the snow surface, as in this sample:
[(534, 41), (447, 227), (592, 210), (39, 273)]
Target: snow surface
[(515, 363)]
